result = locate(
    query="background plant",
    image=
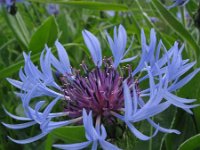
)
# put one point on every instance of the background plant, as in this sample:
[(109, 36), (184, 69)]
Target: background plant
[(32, 27)]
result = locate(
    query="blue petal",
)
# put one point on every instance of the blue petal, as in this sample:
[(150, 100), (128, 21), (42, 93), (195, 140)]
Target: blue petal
[(118, 45), (183, 81), (128, 59), (111, 44), (135, 100), (76, 146), (108, 146), (183, 100), (94, 145), (158, 50), (121, 39), (103, 132), (59, 114), (86, 126), (29, 140), (16, 117), (178, 3), (16, 83), (37, 108), (91, 133), (49, 107), (146, 112), (46, 68), (19, 126), (22, 75), (53, 125), (151, 81), (144, 54), (64, 59), (30, 69), (161, 128), (128, 101), (93, 45), (58, 66), (152, 47), (181, 70), (118, 116), (138, 134), (178, 102)]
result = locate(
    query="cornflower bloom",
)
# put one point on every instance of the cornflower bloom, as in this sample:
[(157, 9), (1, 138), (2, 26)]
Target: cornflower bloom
[(154, 19), (106, 94), (53, 9), (175, 3), (178, 3), (7, 2), (10, 5)]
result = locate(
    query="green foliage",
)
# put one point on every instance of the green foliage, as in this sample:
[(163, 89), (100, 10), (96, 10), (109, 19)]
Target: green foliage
[(70, 134), (192, 143), (87, 4), (176, 26), (32, 27), (47, 33), (18, 27)]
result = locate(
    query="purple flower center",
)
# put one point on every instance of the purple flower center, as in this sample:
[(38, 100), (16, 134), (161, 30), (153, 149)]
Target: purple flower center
[(100, 90)]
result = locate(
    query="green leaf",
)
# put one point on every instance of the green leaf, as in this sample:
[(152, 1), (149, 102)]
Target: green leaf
[(88, 4), (150, 24), (49, 142), (47, 33), (192, 90), (18, 27), (191, 144), (176, 25), (70, 134), (184, 122)]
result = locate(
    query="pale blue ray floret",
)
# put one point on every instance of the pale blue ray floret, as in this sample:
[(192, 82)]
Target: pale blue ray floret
[(34, 116), (164, 70), (168, 67), (95, 135), (93, 46), (118, 46), (136, 110), (53, 9), (178, 3)]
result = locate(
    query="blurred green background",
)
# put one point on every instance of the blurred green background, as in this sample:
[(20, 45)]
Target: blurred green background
[(32, 27)]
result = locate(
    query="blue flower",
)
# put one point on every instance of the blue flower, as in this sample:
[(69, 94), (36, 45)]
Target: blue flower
[(136, 110), (103, 92), (53, 9), (94, 47), (7, 2), (178, 3), (94, 136), (168, 67), (10, 5), (118, 46), (34, 116)]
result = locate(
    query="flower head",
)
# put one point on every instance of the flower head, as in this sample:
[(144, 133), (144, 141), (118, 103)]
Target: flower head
[(10, 5), (178, 3), (53, 9), (107, 92), (93, 134)]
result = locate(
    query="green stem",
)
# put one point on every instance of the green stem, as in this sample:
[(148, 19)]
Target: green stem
[(182, 10), (151, 141)]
